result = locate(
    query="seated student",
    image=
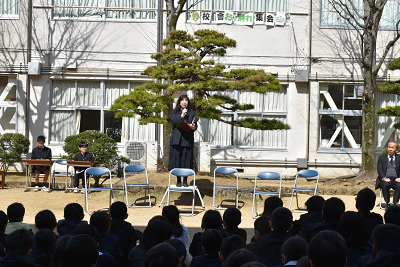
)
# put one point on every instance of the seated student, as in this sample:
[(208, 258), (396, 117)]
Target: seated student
[(58, 247), (180, 248), (229, 245), (392, 215), (231, 219), (239, 257), (303, 262), (332, 209), (354, 229), (18, 245), (253, 264), (101, 221), (163, 255), (211, 220), (73, 216), (79, 171), (270, 204), (268, 247), (386, 248), (261, 227), (293, 249), (210, 243), (41, 152), (45, 219), (157, 231), (123, 230), (365, 202), (313, 215), (3, 225), (79, 251), (15, 214), (43, 247), (328, 249)]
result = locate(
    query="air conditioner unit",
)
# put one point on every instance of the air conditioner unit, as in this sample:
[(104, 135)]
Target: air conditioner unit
[(143, 153)]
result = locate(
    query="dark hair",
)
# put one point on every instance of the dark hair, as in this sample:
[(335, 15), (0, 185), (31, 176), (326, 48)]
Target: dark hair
[(3, 220), (79, 251), (270, 204), (171, 212), (211, 240), (212, 220), (178, 102), (45, 219), (118, 210), (83, 143), (179, 246), (41, 138), (315, 203), (232, 217), (385, 237), (73, 211), (157, 231), (253, 264), (294, 248), (327, 249), (161, 255), (366, 199), (354, 228), (15, 212), (88, 229), (281, 219), (261, 224), (18, 242), (303, 262), (58, 248), (45, 240), (392, 215), (239, 257), (101, 221), (332, 209), (230, 244)]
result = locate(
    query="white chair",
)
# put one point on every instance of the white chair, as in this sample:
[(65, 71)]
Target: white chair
[(181, 172), (226, 171), (97, 171), (135, 169), (57, 172), (296, 188), (266, 176)]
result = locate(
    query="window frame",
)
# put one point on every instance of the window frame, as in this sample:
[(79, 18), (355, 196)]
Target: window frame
[(12, 16)]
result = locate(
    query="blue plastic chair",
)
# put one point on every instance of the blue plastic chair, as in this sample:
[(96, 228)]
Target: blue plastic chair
[(266, 176), (66, 174), (226, 171), (97, 171), (182, 172), (135, 169), (305, 174)]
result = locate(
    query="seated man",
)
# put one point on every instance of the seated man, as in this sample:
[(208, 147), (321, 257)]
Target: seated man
[(389, 173)]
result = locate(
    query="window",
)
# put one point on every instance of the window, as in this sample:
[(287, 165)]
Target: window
[(79, 105), (272, 105), (8, 104), (111, 9), (340, 116), (9, 8), (384, 125), (242, 5), (330, 17)]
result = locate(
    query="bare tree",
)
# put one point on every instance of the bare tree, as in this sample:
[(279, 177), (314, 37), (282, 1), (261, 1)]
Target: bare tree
[(175, 10)]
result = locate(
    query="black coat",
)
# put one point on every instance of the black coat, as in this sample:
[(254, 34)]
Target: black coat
[(179, 137), (382, 168), (268, 247)]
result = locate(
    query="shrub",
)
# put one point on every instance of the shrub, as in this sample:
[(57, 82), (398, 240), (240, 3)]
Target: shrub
[(12, 146)]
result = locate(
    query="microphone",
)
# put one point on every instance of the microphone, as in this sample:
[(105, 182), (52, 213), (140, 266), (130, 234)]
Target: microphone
[(183, 113), (184, 106)]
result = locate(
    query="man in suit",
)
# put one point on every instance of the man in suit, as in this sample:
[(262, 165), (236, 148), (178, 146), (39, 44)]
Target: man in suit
[(389, 173)]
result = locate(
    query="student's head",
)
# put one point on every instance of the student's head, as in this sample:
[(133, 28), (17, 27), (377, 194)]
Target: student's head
[(261, 226), (270, 204), (179, 246), (353, 228), (211, 220), (211, 241), (239, 257), (79, 251), (18, 243), (332, 209), (83, 146), (314, 203), (73, 211), (58, 248), (365, 200), (101, 221), (303, 262), (157, 231), (3, 221), (253, 264), (171, 212), (161, 255), (45, 219), (88, 229), (15, 212), (385, 237), (281, 219), (392, 215), (293, 249), (45, 240), (229, 245), (118, 210), (41, 140), (232, 217), (327, 249)]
